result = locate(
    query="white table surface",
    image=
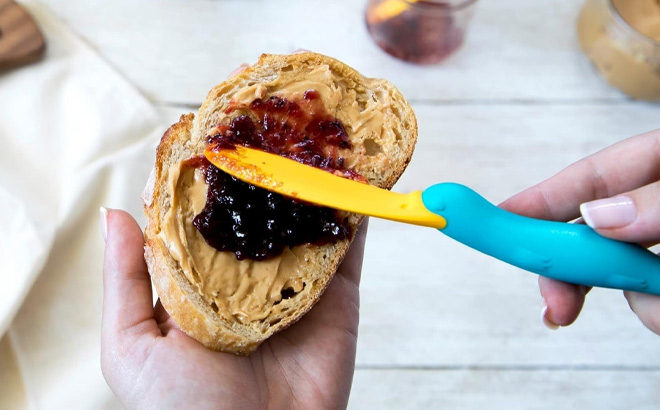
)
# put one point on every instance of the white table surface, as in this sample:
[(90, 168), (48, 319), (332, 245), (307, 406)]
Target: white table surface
[(441, 326)]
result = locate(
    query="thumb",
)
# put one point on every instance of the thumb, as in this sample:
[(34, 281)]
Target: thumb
[(630, 217), (647, 308), (127, 300)]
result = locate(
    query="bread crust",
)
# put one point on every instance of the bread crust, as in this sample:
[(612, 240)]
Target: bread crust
[(186, 138)]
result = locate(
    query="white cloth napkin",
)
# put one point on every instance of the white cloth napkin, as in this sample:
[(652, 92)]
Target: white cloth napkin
[(74, 135)]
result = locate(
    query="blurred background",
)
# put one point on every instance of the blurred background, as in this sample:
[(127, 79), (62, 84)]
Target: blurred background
[(513, 100)]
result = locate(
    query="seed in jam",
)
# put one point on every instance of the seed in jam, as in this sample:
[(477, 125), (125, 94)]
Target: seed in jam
[(253, 222)]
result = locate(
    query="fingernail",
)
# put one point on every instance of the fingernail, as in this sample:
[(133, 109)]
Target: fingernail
[(610, 213), (547, 322), (579, 221), (104, 222)]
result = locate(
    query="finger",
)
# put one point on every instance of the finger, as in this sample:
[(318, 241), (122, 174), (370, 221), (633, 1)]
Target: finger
[(238, 70), (340, 302), (339, 306), (633, 216), (351, 266), (126, 285), (647, 308), (337, 312), (620, 168), (563, 301), (243, 66)]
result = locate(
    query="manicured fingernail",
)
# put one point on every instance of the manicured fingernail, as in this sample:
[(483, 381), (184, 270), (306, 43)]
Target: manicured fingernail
[(609, 213), (104, 222), (579, 221), (547, 322)]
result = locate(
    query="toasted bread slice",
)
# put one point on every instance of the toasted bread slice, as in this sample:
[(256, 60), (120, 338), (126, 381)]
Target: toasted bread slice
[(231, 305)]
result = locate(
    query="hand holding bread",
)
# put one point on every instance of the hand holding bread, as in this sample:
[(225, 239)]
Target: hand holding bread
[(152, 358), (150, 363)]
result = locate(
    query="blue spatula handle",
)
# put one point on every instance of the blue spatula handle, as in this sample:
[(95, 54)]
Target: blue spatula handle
[(568, 252)]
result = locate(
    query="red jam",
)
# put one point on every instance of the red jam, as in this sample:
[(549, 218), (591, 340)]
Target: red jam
[(300, 130), (253, 222), (425, 33)]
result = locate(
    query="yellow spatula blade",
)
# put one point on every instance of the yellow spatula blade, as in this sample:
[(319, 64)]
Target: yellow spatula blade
[(293, 179)]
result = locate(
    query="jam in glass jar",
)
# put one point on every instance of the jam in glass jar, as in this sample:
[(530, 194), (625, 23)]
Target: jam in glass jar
[(419, 31)]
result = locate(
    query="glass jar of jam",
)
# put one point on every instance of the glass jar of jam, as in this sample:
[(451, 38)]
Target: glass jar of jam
[(419, 31), (622, 40)]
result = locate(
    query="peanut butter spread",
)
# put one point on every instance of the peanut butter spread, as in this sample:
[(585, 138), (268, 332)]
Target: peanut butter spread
[(643, 15), (243, 290), (246, 290), (625, 48), (340, 101)]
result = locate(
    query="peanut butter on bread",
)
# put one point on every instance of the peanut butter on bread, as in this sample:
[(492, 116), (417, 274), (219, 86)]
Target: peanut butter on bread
[(233, 305)]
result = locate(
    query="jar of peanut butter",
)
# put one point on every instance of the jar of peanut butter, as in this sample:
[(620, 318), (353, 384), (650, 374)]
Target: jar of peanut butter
[(622, 39)]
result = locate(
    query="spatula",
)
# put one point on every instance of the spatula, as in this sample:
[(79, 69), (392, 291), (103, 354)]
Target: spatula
[(568, 252)]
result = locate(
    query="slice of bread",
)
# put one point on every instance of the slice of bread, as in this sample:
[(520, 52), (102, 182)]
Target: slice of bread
[(232, 310)]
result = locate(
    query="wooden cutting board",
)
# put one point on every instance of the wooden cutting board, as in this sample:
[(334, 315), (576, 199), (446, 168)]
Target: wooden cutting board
[(21, 42)]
